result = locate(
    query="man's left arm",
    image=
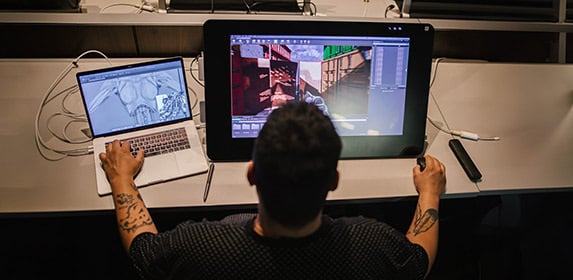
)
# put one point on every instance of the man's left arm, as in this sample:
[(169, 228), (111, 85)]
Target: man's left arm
[(132, 215)]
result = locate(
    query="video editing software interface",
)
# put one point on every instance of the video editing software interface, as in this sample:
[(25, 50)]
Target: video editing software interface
[(359, 82), (132, 97)]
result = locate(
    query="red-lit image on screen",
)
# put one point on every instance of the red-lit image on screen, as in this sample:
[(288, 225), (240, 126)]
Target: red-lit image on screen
[(266, 76), (263, 77)]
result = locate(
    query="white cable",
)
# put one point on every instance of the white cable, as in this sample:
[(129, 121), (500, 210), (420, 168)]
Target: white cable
[(119, 5), (196, 98), (389, 8), (473, 136), (460, 133), (365, 11), (41, 143), (434, 74), (447, 131), (143, 6), (195, 59)]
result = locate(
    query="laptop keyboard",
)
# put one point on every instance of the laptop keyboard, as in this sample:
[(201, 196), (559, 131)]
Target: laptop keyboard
[(160, 143)]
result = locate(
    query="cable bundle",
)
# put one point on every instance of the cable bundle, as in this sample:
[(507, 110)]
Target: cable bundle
[(49, 151)]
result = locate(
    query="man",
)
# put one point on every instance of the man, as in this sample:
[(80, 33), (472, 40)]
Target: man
[(294, 167)]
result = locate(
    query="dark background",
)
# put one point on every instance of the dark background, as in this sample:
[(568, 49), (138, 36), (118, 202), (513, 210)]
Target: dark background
[(492, 236), (510, 236)]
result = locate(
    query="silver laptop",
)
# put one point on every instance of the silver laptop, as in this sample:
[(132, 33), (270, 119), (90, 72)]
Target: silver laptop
[(147, 104)]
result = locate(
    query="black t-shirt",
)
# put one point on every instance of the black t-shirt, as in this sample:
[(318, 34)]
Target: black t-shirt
[(342, 248)]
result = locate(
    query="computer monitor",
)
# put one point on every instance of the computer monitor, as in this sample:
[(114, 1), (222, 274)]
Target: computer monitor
[(242, 6), (371, 79), (505, 10), (52, 6)]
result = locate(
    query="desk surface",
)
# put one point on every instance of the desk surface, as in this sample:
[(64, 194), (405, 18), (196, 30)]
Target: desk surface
[(530, 106), (32, 184)]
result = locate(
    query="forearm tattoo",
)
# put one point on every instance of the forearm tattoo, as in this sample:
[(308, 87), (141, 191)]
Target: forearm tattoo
[(132, 214), (424, 222)]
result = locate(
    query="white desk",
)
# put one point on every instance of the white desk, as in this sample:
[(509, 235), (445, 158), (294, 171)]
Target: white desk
[(31, 184), (530, 106)]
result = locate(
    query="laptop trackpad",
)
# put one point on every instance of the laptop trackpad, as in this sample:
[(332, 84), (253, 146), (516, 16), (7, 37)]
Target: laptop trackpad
[(157, 169)]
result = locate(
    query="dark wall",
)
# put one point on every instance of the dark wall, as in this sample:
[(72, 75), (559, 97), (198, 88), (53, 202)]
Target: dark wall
[(69, 41)]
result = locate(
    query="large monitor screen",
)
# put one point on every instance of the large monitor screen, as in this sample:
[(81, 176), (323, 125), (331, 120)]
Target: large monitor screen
[(371, 79), (359, 82)]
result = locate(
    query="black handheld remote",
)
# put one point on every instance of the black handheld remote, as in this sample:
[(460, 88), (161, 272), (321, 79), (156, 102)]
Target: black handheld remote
[(464, 158), (421, 161)]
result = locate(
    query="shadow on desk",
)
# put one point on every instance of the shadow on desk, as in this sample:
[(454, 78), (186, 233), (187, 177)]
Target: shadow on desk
[(515, 236)]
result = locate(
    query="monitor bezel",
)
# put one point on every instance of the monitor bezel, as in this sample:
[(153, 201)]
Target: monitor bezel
[(221, 146)]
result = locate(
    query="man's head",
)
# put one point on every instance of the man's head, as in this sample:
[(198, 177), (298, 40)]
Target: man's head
[(295, 163)]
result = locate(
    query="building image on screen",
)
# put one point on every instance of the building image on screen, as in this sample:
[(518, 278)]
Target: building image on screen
[(263, 78), (345, 80), (358, 82)]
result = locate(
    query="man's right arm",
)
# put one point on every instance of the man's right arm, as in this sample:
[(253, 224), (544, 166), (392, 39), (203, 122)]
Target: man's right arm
[(132, 215), (430, 185)]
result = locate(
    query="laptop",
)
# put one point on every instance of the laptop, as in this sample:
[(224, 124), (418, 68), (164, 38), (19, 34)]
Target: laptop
[(143, 103)]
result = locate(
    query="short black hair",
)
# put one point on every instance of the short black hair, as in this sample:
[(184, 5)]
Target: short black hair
[(295, 160)]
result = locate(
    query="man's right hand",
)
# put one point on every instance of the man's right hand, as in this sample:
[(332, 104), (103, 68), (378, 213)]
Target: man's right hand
[(430, 185), (118, 162), (432, 180)]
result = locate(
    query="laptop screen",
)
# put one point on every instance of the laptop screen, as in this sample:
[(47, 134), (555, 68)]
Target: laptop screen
[(358, 81), (134, 96)]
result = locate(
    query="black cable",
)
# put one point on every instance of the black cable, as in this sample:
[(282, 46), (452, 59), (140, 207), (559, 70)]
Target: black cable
[(388, 8), (310, 5), (195, 60), (247, 6), (276, 3), (134, 32)]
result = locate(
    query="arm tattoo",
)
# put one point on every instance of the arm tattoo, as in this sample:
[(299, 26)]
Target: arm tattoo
[(423, 222), (134, 215)]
